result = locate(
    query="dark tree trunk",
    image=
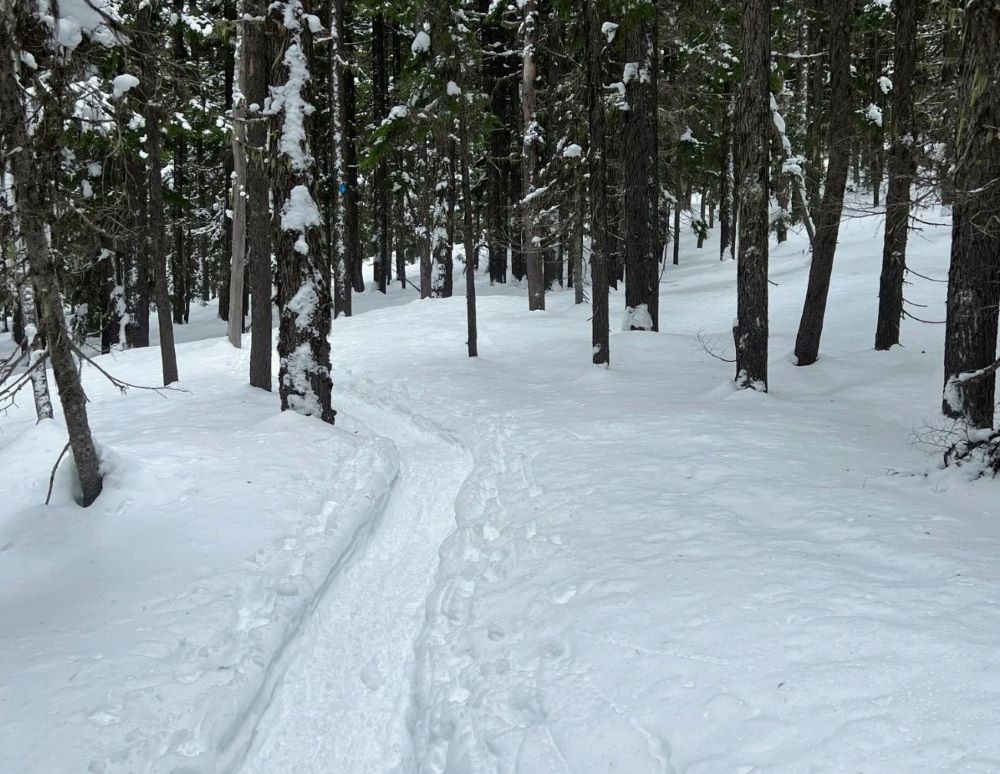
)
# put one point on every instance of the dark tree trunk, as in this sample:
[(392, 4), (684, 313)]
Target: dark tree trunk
[(179, 264), (726, 184), (136, 249), (597, 162), (149, 94), (469, 237), (753, 143), (257, 56), (530, 232), (496, 215), (353, 221), (901, 170), (642, 276), (974, 277), (828, 218), (380, 184)]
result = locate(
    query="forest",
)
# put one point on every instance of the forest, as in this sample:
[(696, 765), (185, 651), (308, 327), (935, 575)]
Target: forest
[(485, 386)]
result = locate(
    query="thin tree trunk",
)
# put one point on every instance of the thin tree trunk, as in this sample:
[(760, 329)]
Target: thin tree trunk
[(469, 237), (342, 269), (531, 142), (256, 61), (754, 113), (380, 86), (597, 163), (726, 184), (641, 256), (974, 277), (901, 170), (237, 273), (828, 219), (149, 85)]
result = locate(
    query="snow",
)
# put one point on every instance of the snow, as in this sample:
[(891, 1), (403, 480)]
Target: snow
[(885, 84), (873, 113), (572, 151), (454, 90), (123, 83), (575, 569), (608, 30), (421, 43)]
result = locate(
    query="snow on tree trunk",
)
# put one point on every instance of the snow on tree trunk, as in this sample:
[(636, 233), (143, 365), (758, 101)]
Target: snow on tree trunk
[(531, 144), (342, 270), (304, 381), (239, 202)]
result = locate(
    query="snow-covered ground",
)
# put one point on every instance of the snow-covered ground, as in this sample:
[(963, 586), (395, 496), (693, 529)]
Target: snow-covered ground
[(519, 563)]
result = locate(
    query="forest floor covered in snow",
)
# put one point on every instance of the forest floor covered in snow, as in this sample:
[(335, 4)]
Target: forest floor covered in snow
[(517, 563)]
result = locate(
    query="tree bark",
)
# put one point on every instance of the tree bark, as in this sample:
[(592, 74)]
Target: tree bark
[(304, 380), (828, 219), (237, 273), (469, 236), (149, 94), (641, 253), (901, 170), (256, 59), (974, 277), (380, 184), (753, 144), (531, 142), (597, 163)]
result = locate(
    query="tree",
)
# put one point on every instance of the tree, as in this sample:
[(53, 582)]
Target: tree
[(597, 164), (304, 381), (255, 66), (753, 163), (642, 252), (30, 156), (828, 218), (902, 167), (532, 140), (974, 276), (149, 85)]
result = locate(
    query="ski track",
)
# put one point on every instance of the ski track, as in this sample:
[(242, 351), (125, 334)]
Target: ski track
[(343, 703)]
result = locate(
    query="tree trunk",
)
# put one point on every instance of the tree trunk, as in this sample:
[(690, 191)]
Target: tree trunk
[(828, 219), (304, 381), (726, 184), (974, 277), (469, 236), (380, 184), (753, 143), (149, 91), (531, 143), (901, 170), (256, 62), (641, 254), (342, 269), (237, 273), (597, 163), (29, 164)]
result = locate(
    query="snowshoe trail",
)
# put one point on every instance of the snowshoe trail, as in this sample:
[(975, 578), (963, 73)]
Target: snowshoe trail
[(343, 703)]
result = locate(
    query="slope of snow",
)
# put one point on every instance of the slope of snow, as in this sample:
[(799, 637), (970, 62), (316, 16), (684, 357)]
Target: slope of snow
[(145, 633), (635, 569)]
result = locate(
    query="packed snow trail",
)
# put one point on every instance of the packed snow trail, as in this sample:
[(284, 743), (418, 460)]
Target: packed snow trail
[(343, 702)]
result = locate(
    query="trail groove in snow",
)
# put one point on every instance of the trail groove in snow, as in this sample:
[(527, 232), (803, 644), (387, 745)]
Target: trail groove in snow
[(342, 705)]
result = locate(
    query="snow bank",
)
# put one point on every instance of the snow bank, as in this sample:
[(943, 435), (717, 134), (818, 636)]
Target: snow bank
[(146, 633)]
